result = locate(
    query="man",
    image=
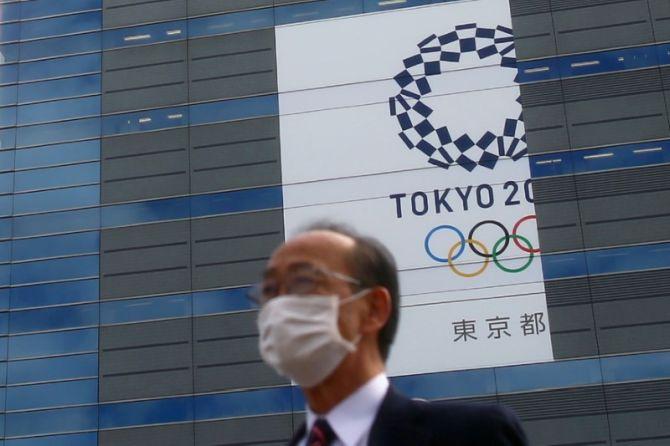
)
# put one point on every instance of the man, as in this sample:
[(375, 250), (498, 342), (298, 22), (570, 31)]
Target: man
[(329, 312)]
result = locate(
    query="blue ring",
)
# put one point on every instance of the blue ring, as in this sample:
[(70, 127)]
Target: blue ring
[(440, 259)]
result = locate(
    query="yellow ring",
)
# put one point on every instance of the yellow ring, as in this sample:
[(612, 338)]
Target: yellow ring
[(481, 246)]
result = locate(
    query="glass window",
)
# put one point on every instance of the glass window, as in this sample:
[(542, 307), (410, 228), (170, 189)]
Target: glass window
[(4, 298), (646, 366), (43, 8), (52, 421), (548, 375), (5, 273), (55, 270), (4, 323), (145, 212), (9, 32), (10, 12), (221, 301), (9, 53), (236, 201), (63, 367), (169, 410), (5, 228), (7, 138), (551, 164), (52, 200), (630, 258), (628, 156), (58, 110), (54, 177), (230, 23), (6, 183), (325, 9), (54, 294), (56, 154), (56, 222), (61, 46), (466, 383), (8, 95), (135, 310), (7, 160), (40, 396), (377, 5), (234, 109), (240, 404), (7, 117), (54, 318), (8, 74), (84, 439), (59, 88), (5, 252), (557, 266), (48, 344), (142, 35), (5, 205), (56, 246), (57, 26), (43, 134), (4, 347), (145, 121), (64, 66)]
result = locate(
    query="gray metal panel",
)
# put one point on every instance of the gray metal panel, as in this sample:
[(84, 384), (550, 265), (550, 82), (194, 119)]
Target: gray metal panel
[(144, 165), (117, 13), (544, 117), (235, 155), (533, 36), (232, 65), (144, 77), (146, 259), (639, 413), (232, 250), (579, 431), (556, 404), (527, 7), (660, 16), (170, 435), (549, 190), (200, 7), (145, 360), (610, 25), (226, 354), (559, 226), (253, 430)]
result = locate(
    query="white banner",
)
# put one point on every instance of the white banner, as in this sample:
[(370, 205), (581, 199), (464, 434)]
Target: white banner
[(407, 126)]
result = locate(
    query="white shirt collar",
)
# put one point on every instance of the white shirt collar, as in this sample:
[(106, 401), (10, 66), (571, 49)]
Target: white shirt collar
[(352, 418)]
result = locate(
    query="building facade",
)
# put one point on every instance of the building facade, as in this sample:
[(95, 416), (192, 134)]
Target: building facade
[(154, 153)]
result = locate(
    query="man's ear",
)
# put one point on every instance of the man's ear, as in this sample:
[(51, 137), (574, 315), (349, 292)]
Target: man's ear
[(378, 309)]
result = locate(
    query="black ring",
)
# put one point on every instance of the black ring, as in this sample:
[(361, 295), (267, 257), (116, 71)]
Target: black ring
[(493, 222)]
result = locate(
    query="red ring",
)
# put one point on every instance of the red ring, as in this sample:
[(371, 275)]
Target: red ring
[(516, 241)]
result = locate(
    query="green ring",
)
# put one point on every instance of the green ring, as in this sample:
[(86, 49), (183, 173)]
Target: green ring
[(512, 270)]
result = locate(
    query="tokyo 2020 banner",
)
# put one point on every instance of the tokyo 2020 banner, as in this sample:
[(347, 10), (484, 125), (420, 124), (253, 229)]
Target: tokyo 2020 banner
[(407, 125)]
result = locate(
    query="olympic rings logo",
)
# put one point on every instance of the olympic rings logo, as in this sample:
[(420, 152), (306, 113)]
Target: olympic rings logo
[(479, 249)]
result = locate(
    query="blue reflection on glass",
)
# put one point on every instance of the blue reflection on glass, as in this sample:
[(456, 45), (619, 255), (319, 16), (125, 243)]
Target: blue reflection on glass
[(42, 8), (58, 132), (9, 32), (7, 116), (630, 258), (548, 375), (48, 344), (5, 252), (557, 266), (10, 12), (142, 35), (7, 160), (5, 205), (64, 66), (234, 109), (221, 301), (52, 369), (9, 53), (53, 318), (7, 138), (146, 309), (6, 183), (4, 348), (5, 274), (83, 439), (59, 88), (58, 110), (145, 121), (169, 410), (145, 212), (608, 61), (52, 421), (56, 26), (56, 222), (232, 22), (4, 323), (236, 201), (4, 298), (5, 228), (376, 5), (56, 246), (57, 269), (538, 70), (8, 95), (317, 10), (8, 74), (247, 403), (627, 156), (61, 46), (54, 294), (645, 366), (57, 154), (464, 383), (52, 200), (54, 177), (41, 396)]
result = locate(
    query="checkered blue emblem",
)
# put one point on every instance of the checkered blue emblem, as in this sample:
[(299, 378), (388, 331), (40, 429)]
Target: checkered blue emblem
[(445, 146)]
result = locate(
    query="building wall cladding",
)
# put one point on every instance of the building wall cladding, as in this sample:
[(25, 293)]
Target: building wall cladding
[(141, 195)]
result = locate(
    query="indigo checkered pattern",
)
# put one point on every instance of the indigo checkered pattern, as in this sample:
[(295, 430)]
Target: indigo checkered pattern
[(441, 145)]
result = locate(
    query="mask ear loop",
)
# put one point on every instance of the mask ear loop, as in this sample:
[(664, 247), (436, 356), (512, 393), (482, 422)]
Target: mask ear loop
[(350, 299)]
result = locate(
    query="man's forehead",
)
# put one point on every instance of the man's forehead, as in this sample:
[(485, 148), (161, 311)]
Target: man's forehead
[(319, 248)]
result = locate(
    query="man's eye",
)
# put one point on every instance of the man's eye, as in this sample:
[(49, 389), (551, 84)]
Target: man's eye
[(302, 284), (269, 290)]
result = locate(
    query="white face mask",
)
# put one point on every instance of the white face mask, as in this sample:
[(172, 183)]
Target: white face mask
[(299, 336)]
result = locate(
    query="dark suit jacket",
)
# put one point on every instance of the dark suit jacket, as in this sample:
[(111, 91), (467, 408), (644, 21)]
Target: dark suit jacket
[(405, 422)]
